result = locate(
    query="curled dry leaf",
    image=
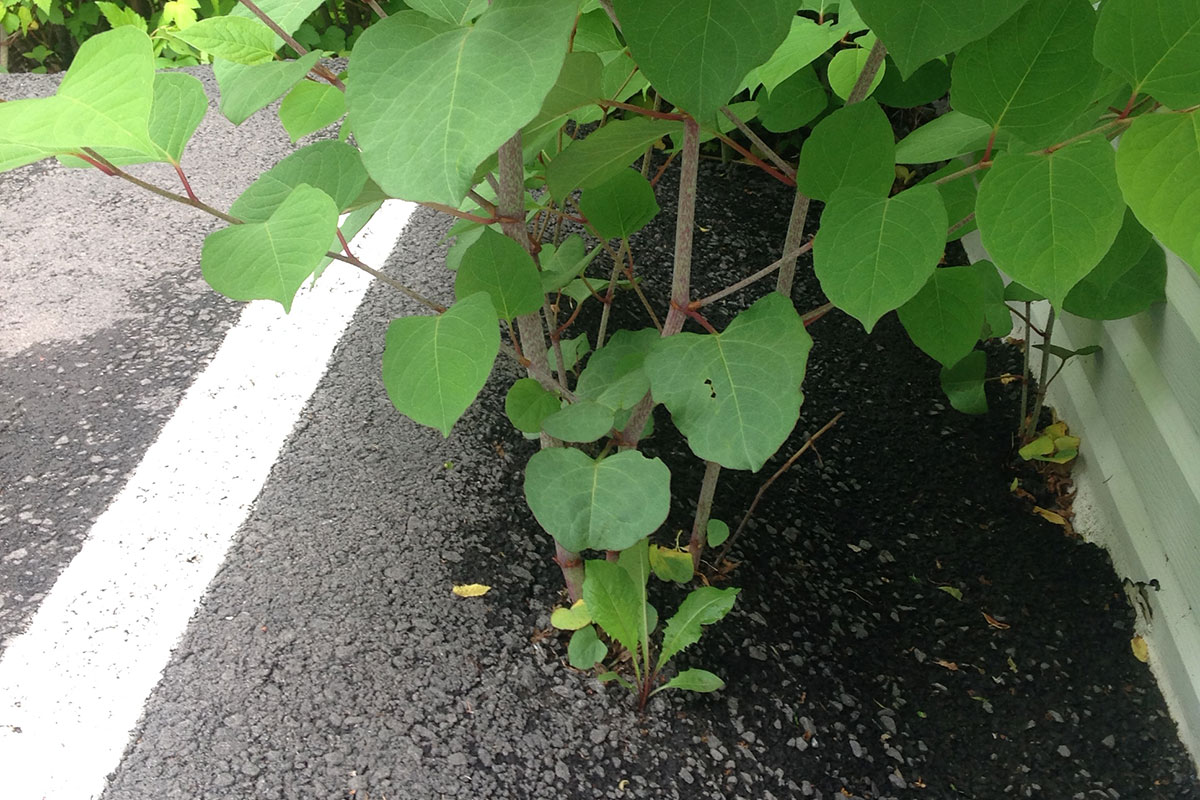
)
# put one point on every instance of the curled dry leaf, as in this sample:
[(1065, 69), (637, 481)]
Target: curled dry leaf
[(1050, 516), (471, 589), (995, 623), (1141, 651), (950, 665)]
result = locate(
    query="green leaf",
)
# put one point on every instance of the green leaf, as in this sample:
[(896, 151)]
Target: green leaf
[(288, 14), (694, 680), (271, 259), (918, 30), (584, 421), (1032, 76), (1155, 46), (793, 103), (179, 107), (952, 591), (247, 89), (930, 82), (998, 321), (118, 17), (456, 12), (527, 404), (718, 532), (594, 33), (963, 383), (874, 254), (585, 649), (104, 101), (571, 619), (805, 42), (952, 134), (1158, 166), (309, 107), (703, 606), (946, 316), (670, 564), (853, 146), (845, 68), (735, 395), (578, 85), (433, 367), (331, 166), (245, 41), (605, 677), (499, 266), (1017, 293), (597, 504), (722, 40), (1047, 219), (959, 195), (615, 603), (488, 79), (604, 154), (614, 376), (1130, 278), (620, 207), (562, 264)]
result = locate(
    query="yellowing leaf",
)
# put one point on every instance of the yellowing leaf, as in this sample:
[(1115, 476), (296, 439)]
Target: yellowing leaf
[(571, 619), (471, 589), (953, 592), (1140, 649), (1049, 516)]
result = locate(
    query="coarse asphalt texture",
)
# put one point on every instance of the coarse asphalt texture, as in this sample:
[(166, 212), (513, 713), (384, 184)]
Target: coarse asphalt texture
[(330, 659)]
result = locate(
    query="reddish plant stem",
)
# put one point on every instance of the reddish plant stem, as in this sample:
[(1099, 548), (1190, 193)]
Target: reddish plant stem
[(645, 112), (964, 221), (658, 175), (187, 187), (756, 161), (756, 140), (762, 489), (791, 255), (987, 153), (291, 42)]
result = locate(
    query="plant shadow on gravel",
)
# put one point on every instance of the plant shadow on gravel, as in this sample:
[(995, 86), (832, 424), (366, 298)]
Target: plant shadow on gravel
[(853, 667)]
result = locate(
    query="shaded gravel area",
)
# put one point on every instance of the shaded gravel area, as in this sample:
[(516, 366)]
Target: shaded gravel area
[(330, 659)]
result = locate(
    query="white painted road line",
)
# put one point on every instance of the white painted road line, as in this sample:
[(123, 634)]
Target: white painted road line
[(72, 687)]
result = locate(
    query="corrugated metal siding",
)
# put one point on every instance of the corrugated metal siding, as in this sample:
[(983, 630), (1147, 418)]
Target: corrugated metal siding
[(1137, 406)]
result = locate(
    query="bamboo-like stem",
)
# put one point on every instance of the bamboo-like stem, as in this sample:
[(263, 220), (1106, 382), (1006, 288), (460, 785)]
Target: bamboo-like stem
[(791, 243), (756, 140), (1043, 381), (608, 296), (612, 14), (762, 489), (374, 6), (1026, 373), (867, 76), (756, 161), (708, 488)]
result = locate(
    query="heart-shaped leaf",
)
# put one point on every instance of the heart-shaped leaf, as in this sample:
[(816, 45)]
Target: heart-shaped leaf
[(499, 266), (963, 383), (584, 421), (946, 316), (571, 619), (333, 167), (1130, 278), (735, 395), (585, 649), (310, 107), (853, 146), (804, 43), (246, 89), (620, 207), (458, 12), (271, 259), (527, 404), (874, 254), (597, 504), (1155, 46), (433, 367), (604, 154)]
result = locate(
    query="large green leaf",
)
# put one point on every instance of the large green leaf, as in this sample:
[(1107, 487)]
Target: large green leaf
[(597, 504), (735, 395), (853, 146), (615, 376), (287, 14), (845, 68), (238, 39), (963, 383), (918, 30), (928, 83), (604, 154), (1034, 75), (620, 207), (527, 404), (433, 367), (271, 259), (1155, 46), (1130, 278), (805, 42), (499, 266), (703, 606), (430, 100), (331, 166), (1048, 218), (247, 89), (795, 102), (946, 316), (578, 85), (952, 134), (719, 41), (583, 421), (874, 254), (457, 12), (311, 106), (104, 101), (614, 602), (1158, 166)]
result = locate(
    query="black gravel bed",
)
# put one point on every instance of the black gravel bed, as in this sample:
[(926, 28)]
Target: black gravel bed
[(331, 660)]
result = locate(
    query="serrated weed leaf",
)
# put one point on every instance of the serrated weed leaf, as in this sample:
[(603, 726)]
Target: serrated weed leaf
[(615, 602), (597, 504), (693, 680), (852, 147), (431, 100), (735, 395), (723, 40), (1047, 219), (433, 367), (270, 260), (703, 606), (874, 254), (917, 30), (1155, 46)]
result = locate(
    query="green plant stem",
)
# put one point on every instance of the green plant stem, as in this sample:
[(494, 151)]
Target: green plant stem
[(790, 255), (1026, 374), (953, 176), (762, 489), (867, 76), (964, 221), (374, 6), (1043, 379), (708, 489), (608, 296), (291, 42), (756, 140)]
